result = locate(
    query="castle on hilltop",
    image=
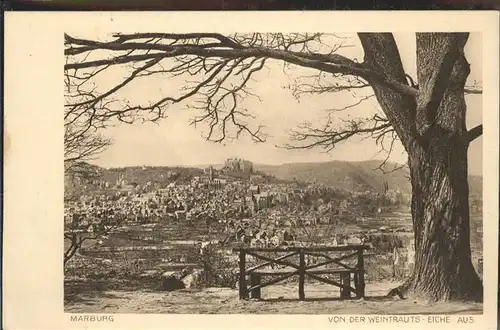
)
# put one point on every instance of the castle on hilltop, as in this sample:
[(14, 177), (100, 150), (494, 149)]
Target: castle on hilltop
[(238, 165)]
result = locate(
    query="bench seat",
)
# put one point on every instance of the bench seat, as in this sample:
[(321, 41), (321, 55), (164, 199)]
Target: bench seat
[(290, 270)]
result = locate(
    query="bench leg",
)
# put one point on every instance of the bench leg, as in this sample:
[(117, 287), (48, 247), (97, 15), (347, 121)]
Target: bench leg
[(356, 285), (360, 289), (243, 287), (255, 280), (345, 279), (242, 277)]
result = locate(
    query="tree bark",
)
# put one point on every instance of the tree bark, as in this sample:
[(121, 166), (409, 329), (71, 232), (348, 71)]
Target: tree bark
[(440, 212), (437, 153), (382, 56)]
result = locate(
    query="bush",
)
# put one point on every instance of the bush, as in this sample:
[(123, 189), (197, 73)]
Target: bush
[(218, 270), (385, 243), (380, 266)]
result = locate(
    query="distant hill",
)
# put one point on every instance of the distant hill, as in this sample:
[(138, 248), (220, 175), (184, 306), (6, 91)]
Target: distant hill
[(353, 176), (162, 175), (141, 175)]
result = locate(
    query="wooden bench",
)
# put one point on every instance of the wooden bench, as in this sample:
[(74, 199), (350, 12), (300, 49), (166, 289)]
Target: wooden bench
[(347, 275), (344, 274)]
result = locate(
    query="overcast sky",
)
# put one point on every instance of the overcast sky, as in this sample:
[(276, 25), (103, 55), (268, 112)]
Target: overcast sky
[(174, 142)]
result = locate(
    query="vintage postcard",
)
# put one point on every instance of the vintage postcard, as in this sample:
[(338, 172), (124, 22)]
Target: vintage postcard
[(251, 169)]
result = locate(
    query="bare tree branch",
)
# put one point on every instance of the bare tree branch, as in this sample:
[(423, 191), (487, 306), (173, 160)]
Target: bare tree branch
[(320, 84), (474, 133), (473, 90), (333, 63), (308, 136), (82, 146), (222, 67)]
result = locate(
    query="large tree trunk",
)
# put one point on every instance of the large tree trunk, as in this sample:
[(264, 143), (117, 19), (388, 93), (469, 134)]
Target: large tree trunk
[(440, 211), (432, 129), (438, 167)]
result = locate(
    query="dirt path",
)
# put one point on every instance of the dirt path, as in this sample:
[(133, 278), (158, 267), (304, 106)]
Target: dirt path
[(278, 300)]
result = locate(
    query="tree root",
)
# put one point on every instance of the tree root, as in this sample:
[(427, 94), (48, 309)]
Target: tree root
[(405, 290), (401, 291)]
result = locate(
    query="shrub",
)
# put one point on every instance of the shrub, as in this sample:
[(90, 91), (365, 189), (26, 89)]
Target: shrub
[(218, 269), (385, 243)]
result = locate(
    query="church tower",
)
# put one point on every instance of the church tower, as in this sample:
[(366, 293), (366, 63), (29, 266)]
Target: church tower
[(211, 173)]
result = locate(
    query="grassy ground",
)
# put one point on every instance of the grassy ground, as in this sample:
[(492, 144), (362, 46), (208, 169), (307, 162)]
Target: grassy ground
[(278, 299)]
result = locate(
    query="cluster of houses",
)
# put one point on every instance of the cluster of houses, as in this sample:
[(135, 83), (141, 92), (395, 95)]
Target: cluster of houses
[(262, 214), (206, 198), (210, 197)]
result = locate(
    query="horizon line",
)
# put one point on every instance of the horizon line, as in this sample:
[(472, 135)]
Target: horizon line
[(201, 165), (253, 162)]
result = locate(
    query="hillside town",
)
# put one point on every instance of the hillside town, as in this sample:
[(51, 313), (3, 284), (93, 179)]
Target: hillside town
[(228, 198)]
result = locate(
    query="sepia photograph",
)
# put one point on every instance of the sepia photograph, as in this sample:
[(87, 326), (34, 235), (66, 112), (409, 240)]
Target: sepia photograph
[(273, 173), (281, 170)]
